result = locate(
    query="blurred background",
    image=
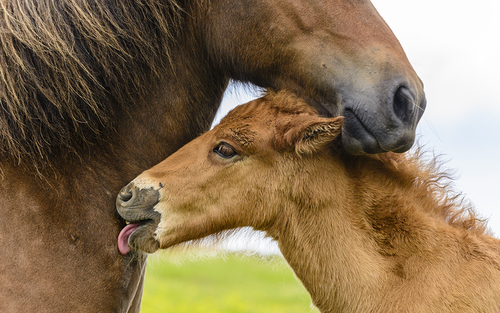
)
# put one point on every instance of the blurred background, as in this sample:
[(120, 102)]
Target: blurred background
[(454, 45)]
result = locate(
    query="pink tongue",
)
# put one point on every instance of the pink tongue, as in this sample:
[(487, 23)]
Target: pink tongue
[(123, 237)]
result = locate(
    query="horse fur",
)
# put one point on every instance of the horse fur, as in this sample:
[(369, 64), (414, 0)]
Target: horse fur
[(88, 86), (63, 62)]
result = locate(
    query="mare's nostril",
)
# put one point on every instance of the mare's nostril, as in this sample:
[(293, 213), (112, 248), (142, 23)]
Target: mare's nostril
[(403, 104)]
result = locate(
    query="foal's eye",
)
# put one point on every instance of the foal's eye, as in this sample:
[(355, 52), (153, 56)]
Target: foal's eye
[(225, 151)]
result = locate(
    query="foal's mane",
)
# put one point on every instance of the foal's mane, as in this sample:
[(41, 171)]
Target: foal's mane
[(64, 64), (429, 178)]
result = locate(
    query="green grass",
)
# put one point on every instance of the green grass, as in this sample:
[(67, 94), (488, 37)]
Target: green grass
[(229, 282)]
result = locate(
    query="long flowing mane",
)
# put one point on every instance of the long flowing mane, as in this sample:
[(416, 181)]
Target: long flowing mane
[(429, 179), (63, 63)]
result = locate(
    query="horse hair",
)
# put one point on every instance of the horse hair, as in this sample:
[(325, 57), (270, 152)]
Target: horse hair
[(430, 178), (63, 65)]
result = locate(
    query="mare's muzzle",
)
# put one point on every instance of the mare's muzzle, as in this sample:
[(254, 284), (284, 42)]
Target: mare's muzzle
[(374, 125)]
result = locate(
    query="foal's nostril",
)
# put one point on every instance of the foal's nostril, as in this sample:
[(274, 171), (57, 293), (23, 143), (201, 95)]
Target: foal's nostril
[(132, 198), (403, 104), (125, 195)]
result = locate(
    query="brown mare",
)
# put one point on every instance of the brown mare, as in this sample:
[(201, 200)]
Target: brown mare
[(363, 233), (93, 92)]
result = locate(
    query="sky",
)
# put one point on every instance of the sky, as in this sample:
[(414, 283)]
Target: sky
[(454, 46)]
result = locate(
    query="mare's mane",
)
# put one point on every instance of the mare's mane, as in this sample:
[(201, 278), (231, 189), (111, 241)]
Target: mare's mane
[(64, 66), (428, 179)]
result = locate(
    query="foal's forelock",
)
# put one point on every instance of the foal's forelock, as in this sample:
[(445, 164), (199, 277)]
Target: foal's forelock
[(61, 66)]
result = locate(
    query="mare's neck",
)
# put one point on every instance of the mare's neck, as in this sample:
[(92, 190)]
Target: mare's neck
[(62, 210), (177, 111)]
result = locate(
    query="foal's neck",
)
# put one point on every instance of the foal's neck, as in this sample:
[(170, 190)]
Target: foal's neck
[(337, 263), (338, 245)]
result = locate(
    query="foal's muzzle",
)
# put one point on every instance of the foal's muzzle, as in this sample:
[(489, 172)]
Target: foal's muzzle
[(135, 205)]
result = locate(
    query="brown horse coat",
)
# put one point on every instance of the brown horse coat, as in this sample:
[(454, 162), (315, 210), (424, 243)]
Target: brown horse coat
[(92, 92), (379, 233)]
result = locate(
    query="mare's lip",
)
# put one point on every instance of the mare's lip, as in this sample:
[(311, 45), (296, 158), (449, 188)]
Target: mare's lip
[(356, 137)]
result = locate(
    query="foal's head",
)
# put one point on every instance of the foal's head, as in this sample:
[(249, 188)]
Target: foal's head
[(231, 176)]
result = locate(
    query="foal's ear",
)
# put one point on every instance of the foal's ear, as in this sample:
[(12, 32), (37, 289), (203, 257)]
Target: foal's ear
[(313, 134)]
